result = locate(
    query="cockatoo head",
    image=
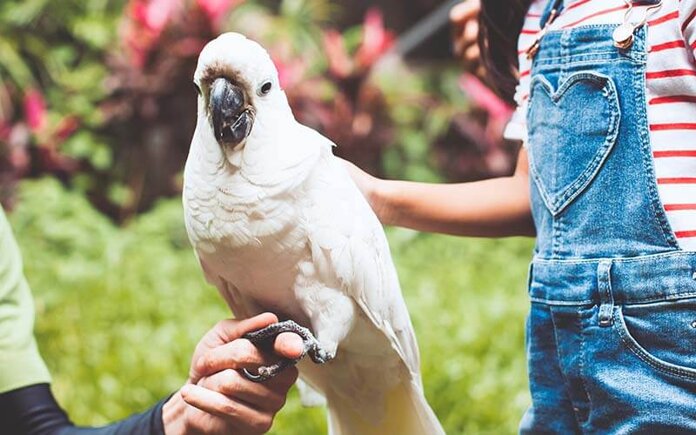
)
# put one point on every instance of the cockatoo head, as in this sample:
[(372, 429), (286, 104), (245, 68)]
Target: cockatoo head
[(238, 85)]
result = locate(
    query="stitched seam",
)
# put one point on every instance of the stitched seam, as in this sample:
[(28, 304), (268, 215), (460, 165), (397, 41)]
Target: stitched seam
[(556, 244), (582, 366), (566, 384), (560, 303), (629, 302), (581, 183), (561, 200), (538, 81), (646, 357), (649, 163), (618, 259), (582, 59), (671, 297), (573, 403), (624, 301), (662, 300)]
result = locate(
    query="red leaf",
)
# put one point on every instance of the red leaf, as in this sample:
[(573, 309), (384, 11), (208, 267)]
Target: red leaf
[(339, 62), (216, 9), (66, 127), (376, 39)]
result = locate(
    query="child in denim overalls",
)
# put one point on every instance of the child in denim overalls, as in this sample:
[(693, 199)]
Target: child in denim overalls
[(611, 336)]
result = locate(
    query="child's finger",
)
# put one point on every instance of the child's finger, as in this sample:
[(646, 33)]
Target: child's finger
[(464, 11)]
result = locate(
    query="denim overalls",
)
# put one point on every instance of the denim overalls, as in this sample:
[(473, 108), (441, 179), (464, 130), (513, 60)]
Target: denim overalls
[(611, 336)]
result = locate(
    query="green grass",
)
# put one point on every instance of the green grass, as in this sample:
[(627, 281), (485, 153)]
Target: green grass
[(119, 311)]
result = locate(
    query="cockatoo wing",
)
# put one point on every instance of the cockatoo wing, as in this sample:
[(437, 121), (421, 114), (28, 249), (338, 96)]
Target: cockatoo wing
[(348, 244)]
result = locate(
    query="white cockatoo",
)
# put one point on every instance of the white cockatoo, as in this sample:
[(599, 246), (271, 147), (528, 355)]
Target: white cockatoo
[(278, 225)]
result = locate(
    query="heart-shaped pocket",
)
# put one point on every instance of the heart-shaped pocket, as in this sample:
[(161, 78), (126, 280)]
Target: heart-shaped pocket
[(571, 133)]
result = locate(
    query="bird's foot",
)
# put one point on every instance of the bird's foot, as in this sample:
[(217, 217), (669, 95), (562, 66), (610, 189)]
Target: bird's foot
[(266, 337)]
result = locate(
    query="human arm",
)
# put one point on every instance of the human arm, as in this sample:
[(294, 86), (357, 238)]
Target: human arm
[(216, 399), (497, 207)]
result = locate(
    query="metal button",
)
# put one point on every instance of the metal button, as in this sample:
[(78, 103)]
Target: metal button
[(623, 36), (694, 276), (693, 324)]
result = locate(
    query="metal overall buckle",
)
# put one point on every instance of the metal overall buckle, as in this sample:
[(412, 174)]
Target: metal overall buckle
[(555, 12), (624, 34)]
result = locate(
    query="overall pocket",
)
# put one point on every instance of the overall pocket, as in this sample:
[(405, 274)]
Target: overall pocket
[(571, 132), (662, 335)]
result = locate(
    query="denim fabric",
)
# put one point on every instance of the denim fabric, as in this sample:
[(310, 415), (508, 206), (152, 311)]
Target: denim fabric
[(611, 336)]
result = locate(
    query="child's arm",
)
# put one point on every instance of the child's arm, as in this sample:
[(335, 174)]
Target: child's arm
[(497, 207)]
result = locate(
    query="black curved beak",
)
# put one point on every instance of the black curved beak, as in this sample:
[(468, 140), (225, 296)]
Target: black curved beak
[(231, 116)]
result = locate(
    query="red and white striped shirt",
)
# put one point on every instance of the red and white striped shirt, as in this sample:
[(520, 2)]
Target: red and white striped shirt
[(671, 95)]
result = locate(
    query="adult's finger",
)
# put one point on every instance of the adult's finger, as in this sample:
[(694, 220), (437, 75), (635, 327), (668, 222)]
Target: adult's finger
[(289, 345), (238, 354), (235, 412), (224, 332), (232, 384), (228, 330)]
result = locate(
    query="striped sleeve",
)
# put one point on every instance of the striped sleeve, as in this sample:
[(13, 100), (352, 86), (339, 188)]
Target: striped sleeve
[(687, 21), (517, 127)]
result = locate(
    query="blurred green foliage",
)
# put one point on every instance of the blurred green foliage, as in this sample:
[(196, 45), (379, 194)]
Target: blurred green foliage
[(119, 311), (60, 47)]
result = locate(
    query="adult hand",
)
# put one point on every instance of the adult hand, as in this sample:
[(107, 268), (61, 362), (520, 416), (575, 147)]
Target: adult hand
[(464, 18), (217, 399)]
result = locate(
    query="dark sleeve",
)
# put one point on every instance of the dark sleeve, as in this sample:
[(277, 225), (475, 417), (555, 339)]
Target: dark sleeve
[(34, 411)]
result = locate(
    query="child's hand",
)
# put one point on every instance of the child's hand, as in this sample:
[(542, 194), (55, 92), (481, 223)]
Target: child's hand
[(464, 18)]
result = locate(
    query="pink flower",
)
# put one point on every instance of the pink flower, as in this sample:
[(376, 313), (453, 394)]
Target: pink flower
[(339, 62), (147, 19), (216, 9), (35, 110), (485, 98), (376, 39)]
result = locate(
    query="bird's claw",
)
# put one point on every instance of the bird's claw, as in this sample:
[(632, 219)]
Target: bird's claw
[(266, 336)]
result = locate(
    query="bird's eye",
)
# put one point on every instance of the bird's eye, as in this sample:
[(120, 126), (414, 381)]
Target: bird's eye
[(265, 88), (198, 89)]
